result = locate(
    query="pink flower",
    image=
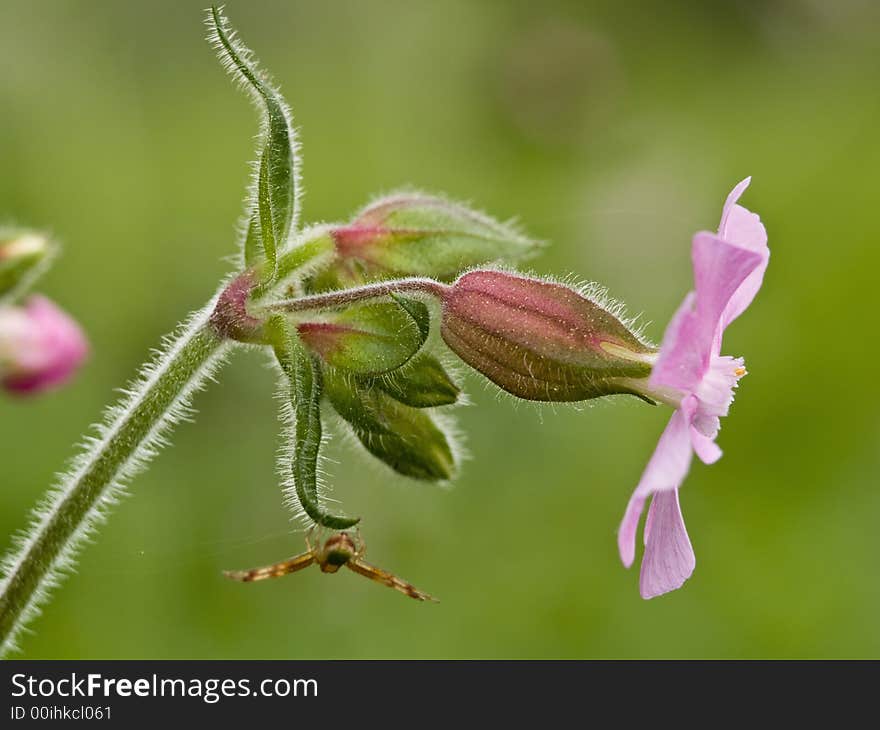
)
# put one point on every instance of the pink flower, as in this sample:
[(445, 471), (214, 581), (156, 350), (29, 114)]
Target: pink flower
[(40, 346), (692, 375)]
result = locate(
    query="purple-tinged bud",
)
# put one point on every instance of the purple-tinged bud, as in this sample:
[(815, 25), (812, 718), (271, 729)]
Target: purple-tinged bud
[(540, 340), (414, 234), (40, 346)]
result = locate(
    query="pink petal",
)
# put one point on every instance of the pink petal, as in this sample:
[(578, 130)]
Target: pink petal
[(705, 448), (730, 203), (720, 268), (666, 470), (649, 521), (680, 365), (728, 271), (740, 227), (626, 535), (669, 557), (743, 296), (693, 335)]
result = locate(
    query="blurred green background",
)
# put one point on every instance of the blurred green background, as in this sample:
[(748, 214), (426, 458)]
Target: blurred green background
[(614, 131)]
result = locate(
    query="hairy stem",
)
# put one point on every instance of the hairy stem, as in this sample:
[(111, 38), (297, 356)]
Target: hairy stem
[(131, 434), (357, 294)]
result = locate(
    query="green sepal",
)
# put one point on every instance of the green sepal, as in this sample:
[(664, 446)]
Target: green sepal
[(368, 339), (404, 438), (306, 383), (418, 311), (422, 383)]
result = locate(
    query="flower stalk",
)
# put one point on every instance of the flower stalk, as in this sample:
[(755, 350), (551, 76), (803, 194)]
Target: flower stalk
[(345, 297), (132, 434)]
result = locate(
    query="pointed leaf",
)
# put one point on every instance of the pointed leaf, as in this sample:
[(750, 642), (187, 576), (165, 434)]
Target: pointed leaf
[(274, 211), (306, 384)]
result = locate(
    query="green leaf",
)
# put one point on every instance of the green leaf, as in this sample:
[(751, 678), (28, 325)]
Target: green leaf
[(253, 244), (422, 383), (306, 384), (406, 439), (273, 213)]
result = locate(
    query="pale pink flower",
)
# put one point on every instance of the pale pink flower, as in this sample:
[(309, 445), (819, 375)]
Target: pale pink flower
[(40, 346), (691, 375)]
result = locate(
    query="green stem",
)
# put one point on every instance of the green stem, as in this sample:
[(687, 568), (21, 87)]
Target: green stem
[(130, 436), (128, 439)]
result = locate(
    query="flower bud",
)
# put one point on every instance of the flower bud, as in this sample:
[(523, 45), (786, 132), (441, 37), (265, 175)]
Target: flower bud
[(412, 234), (21, 256), (40, 346), (368, 339), (540, 340), (406, 439)]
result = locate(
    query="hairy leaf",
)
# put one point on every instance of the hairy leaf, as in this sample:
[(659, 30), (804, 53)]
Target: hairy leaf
[(273, 208), (306, 385)]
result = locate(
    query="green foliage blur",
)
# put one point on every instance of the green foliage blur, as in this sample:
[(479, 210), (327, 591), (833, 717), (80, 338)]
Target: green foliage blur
[(613, 131)]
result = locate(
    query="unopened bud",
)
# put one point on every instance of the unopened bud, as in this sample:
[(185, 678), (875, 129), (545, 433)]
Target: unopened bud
[(368, 339), (40, 346), (21, 256), (413, 234), (407, 439), (540, 340)]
